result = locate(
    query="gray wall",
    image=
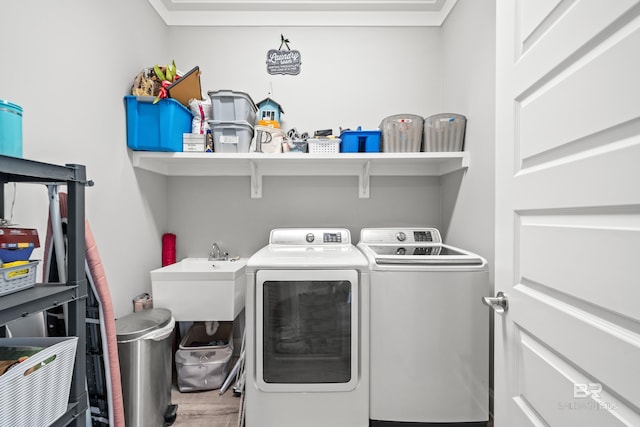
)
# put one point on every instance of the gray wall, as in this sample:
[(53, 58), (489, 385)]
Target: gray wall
[(70, 62), (350, 77), (468, 46)]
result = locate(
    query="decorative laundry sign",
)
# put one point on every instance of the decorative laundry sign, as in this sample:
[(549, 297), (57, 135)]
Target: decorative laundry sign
[(283, 61)]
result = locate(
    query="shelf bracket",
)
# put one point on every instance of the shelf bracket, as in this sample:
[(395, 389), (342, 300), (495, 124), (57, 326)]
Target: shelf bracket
[(256, 181), (363, 180)]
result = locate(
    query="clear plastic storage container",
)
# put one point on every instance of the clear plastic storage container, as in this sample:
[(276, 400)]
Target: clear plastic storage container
[(402, 133), (444, 132)]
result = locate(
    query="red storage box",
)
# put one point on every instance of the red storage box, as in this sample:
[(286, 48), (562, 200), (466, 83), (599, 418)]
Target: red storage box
[(16, 244)]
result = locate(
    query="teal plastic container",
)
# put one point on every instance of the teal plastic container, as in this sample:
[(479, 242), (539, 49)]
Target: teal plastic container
[(10, 129), (156, 127)]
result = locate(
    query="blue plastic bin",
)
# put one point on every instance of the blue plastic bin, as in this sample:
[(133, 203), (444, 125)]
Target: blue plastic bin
[(360, 141), (156, 127), (10, 129), (11, 255)]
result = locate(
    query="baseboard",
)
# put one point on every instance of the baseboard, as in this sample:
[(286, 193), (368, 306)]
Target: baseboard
[(378, 423)]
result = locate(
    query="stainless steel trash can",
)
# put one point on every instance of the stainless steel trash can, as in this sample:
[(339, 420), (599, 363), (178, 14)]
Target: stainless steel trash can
[(144, 350)]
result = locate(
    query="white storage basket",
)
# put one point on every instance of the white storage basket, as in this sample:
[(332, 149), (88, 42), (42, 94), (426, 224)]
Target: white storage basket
[(317, 146), (36, 391)]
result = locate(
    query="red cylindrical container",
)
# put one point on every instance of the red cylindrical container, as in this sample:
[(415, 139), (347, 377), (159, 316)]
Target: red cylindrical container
[(168, 249)]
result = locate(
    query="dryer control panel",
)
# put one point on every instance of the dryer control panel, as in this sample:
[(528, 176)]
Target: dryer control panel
[(310, 236)]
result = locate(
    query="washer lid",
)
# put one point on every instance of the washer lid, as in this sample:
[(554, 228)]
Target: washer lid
[(421, 255), (413, 246), (135, 325)]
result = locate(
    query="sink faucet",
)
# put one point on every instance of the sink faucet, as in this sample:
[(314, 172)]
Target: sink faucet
[(216, 254)]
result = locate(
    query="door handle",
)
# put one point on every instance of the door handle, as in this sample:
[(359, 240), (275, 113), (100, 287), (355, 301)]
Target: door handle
[(499, 303)]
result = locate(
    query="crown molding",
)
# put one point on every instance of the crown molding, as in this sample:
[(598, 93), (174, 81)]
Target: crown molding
[(297, 13)]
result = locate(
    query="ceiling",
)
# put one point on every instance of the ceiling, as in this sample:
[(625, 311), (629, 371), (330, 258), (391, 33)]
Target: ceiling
[(287, 13)]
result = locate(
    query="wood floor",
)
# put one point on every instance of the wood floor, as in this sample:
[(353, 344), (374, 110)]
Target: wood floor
[(206, 408)]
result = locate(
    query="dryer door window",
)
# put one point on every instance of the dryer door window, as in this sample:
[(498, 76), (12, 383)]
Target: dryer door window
[(307, 332)]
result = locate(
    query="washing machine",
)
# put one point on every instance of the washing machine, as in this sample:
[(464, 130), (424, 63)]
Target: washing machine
[(307, 334), (429, 332)]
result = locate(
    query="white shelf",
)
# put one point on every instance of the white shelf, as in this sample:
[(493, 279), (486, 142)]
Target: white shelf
[(257, 165)]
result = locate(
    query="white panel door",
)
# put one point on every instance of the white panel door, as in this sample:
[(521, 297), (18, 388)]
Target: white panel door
[(567, 349)]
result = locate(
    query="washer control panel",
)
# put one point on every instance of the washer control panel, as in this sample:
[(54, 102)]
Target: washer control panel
[(402, 235)]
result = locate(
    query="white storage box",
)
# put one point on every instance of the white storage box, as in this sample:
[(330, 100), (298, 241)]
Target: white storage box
[(193, 142), (444, 132), (17, 278), (323, 145), (202, 360), (231, 137), (402, 133), (35, 392), (229, 105)]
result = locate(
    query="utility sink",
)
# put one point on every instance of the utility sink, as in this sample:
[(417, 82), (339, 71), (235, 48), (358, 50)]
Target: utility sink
[(196, 289)]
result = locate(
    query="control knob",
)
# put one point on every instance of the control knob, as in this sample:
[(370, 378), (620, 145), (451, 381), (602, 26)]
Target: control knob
[(401, 236)]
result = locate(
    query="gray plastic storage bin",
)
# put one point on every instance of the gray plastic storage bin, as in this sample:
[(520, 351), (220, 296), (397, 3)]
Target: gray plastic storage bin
[(202, 360), (229, 105), (402, 133), (444, 132), (231, 137)]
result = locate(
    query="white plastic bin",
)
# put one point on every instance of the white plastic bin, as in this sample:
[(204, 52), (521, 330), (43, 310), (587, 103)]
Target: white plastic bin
[(324, 145)]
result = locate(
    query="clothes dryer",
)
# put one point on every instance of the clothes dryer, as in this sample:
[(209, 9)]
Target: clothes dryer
[(429, 330), (307, 335)]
